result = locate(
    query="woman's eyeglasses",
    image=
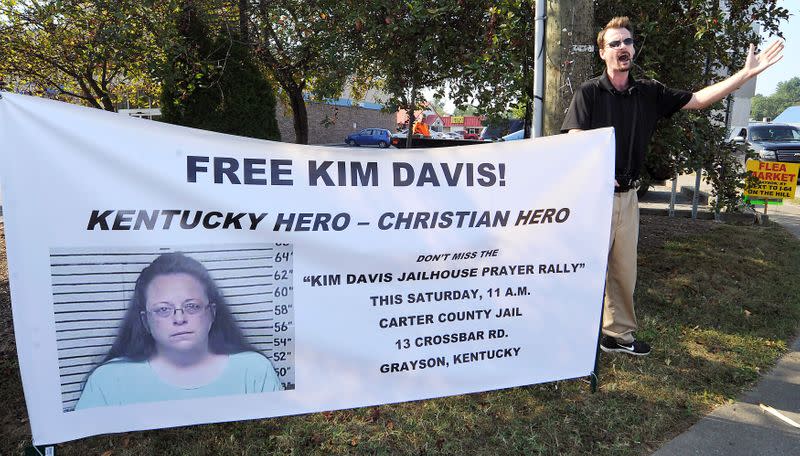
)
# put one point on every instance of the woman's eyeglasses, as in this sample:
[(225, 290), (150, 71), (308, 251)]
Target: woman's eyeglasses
[(187, 309), (617, 43)]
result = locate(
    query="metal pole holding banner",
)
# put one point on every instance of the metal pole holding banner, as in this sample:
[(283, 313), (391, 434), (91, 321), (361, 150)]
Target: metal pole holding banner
[(42, 450), (538, 68), (594, 375)]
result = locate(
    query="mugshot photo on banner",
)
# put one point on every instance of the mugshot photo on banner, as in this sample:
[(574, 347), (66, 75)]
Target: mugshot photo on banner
[(110, 318)]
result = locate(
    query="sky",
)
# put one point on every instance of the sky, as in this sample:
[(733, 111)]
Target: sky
[(789, 66), (449, 107)]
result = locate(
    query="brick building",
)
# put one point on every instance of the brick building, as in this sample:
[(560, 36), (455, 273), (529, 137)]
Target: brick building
[(330, 123)]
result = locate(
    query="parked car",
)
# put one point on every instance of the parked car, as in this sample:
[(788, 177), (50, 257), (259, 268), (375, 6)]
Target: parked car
[(471, 136), (772, 142), (370, 137), (400, 140), (519, 134), (453, 135)]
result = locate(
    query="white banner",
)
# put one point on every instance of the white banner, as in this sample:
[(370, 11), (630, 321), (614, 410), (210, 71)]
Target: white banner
[(165, 276)]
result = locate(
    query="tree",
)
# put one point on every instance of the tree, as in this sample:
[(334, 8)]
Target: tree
[(465, 110), (497, 75), (437, 104), (305, 46), (92, 51), (213, 82), (416, 44), (478, 54), (787, 94)]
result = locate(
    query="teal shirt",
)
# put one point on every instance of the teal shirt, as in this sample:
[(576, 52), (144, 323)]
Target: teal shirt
[(121, 382)]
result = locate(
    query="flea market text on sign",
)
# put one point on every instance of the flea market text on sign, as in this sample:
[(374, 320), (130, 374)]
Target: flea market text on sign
[(778, 180)]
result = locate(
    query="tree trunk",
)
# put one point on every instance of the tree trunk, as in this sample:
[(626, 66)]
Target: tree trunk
[(411, 116), (87, 94), (528, 98), (108, 105), (244, 30), (299, 114), (93, 89), (570, 49), (528, 83)]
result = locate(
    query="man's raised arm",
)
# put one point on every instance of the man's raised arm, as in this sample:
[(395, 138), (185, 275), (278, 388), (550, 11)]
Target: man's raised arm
[(753, 66)]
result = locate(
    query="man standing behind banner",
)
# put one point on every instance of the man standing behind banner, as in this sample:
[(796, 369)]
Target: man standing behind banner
[(632, 107)]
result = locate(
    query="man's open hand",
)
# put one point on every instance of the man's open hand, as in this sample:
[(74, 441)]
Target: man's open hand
[(756, 63)]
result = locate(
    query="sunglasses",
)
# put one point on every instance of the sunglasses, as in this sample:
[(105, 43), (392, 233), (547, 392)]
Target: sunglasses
[(617, 43)]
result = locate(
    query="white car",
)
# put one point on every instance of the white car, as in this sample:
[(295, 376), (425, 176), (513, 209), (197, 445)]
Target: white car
[(519, 134)]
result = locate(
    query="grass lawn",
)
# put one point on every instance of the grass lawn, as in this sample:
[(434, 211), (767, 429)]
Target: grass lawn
[(719, 303)]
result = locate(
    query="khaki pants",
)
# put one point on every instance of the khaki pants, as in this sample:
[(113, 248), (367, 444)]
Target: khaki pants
[(619, 318)]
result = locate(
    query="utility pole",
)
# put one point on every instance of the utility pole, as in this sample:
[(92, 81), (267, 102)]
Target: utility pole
[(571, 49)]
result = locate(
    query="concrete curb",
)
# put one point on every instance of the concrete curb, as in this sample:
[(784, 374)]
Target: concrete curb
[(726, 217), (683, 213), (688, 192)]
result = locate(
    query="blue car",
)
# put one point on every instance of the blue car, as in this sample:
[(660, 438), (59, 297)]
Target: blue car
[(370, 137)]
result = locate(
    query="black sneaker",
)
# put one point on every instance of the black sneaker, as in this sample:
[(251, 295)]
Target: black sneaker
[(635, 348)]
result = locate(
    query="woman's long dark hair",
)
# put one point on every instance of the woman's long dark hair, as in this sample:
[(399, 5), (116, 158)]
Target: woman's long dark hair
[(134, 341)]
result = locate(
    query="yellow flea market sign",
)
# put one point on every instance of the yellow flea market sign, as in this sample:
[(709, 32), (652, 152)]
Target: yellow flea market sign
[(778, 180), (457, 120)]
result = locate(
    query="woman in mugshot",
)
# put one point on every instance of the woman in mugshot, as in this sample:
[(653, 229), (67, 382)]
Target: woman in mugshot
[(177, 340)]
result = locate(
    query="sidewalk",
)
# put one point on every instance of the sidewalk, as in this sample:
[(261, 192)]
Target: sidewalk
[(744, 427), (658, 198)]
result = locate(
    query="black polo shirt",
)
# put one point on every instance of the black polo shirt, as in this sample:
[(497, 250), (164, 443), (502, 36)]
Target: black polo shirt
[(633, 113)]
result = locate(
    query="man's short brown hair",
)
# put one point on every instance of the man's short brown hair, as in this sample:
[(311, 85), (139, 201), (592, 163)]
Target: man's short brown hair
[(615, 22)]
